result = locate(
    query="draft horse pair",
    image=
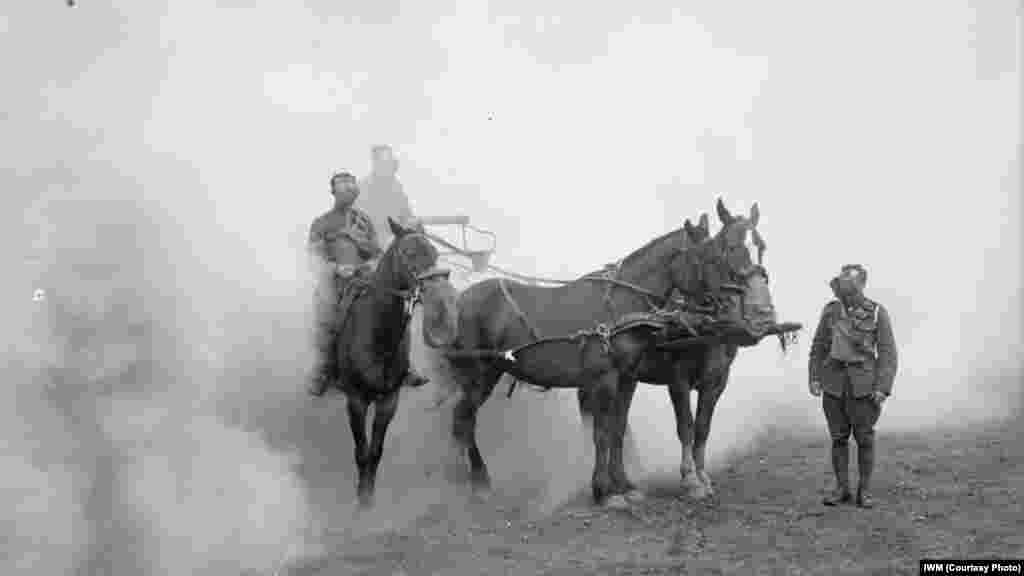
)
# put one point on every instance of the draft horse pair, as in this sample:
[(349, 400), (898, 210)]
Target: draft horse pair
[(528, 331)]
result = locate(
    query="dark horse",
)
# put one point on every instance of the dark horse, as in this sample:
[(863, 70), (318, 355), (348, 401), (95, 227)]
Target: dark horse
[(704, 367), (373, 350), (696, 235), (499, 314)]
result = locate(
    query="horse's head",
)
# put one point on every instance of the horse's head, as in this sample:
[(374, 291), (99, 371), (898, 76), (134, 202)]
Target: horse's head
[(413, 261), (728, 268)]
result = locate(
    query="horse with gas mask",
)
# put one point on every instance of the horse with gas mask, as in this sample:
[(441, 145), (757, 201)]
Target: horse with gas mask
[(726, 277), (502, 315)]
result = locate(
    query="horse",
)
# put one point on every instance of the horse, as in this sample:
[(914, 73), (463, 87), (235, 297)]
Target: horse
[(500, 314), (696, 235), (702, 367), (373, 347)]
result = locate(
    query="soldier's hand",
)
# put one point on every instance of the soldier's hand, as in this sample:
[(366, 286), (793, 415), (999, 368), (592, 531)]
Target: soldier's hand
[(879, 397), (815, 388)]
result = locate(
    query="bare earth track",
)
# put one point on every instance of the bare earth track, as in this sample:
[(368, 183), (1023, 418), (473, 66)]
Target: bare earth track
[(941, 494)]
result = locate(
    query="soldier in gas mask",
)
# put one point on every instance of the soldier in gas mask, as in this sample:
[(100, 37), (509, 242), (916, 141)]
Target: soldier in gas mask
[(853, 361)]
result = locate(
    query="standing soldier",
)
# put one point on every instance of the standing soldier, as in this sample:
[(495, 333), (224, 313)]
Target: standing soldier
[(386, 196), (853, 360)]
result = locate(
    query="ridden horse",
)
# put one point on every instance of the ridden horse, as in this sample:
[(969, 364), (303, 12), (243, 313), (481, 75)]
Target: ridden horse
[(705, 367), (499, 314), (373, 353)]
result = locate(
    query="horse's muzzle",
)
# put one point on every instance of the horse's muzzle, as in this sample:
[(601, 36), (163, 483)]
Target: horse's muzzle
[(754, 315)]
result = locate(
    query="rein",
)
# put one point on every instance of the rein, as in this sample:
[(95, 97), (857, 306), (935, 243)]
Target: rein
[(410, 297)]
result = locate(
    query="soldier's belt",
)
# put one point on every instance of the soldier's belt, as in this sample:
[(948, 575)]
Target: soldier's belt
[(848, 363)]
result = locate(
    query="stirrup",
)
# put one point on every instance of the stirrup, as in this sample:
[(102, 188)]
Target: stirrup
[(414, 379)]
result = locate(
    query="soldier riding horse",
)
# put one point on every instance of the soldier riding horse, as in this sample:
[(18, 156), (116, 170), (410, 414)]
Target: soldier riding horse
[(372, 346)]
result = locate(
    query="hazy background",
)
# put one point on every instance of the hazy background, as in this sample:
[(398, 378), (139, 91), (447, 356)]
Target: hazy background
[(162, 162)]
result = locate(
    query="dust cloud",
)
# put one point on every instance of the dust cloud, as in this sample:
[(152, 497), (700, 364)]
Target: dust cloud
[(164, 162)]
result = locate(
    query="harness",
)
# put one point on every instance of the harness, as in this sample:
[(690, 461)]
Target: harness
[(356, 285), (661, 320), (662, 312)]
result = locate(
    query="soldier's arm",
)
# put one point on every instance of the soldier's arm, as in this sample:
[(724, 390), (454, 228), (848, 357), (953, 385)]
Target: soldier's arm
[(820, 343), (887, 355), (315, 245), (369, 246)]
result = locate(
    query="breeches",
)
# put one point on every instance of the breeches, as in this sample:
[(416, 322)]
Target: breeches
[(325, 307), (846, 414)]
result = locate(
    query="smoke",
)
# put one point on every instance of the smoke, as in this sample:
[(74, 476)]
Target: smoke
[(164, 163), (896, 184)]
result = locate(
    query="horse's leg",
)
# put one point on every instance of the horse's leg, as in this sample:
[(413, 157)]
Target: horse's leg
[(583, 398), (706, 402), (475, 393), (602, 402), (357, 406), (624, 398), (384, 411), (679, 392)]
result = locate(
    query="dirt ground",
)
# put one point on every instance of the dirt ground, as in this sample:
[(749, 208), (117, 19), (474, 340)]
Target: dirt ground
[(941, 494)]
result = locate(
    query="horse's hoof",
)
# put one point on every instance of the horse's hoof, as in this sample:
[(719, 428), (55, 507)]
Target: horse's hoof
[(364, 501), (636, 495), (695, 488), (616, 502), (699, 492), (482, 492)]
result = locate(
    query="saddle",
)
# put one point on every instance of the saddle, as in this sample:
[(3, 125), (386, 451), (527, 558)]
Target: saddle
[(351, 283)]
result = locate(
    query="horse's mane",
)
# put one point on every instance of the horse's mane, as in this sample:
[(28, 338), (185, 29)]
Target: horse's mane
[(643, 249)]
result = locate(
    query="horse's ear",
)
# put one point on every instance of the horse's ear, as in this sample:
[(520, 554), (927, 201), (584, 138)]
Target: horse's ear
[(703, 224), (396, 228), (755, 215), (688, 226), (723, 213)]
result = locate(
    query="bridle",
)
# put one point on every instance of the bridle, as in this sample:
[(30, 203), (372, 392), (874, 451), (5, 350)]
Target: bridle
[(410, 297), (712, 297)]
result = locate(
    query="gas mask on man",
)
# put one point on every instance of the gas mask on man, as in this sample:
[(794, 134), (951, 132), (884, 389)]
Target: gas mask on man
[(849, 284), (344, 189)]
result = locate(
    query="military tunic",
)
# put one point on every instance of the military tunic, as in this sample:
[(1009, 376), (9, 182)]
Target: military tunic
[(345, 237), (853, 355), (383, 197)]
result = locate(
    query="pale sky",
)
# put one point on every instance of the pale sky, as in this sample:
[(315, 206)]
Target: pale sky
[(883, 133)]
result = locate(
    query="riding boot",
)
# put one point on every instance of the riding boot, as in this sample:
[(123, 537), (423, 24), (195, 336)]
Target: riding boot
[(325, 369), (865, 465), (319, 381), (841, 469)]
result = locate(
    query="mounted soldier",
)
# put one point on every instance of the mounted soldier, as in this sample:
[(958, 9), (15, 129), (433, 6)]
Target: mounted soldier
[(853, 360), (344, 245)]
